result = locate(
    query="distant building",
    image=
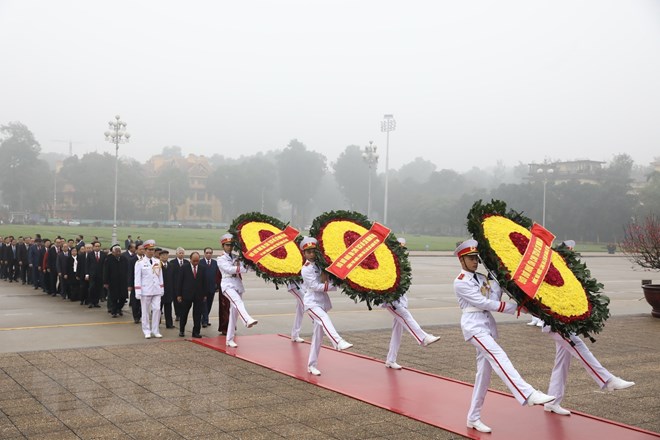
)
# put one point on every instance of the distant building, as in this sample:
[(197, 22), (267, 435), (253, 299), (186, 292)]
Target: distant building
[(200, 205), (584, 171)]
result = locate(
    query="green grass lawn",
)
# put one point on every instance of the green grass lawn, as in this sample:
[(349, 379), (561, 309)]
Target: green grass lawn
[(200, 238)]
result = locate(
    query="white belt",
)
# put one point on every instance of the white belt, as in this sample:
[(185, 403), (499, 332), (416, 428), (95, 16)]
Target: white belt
[(472, 310)]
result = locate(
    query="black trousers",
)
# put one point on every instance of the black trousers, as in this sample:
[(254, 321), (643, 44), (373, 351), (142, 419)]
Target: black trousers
[(36, 276), (115, 302), (167, 311), (184, 310), (136, 306), (95, 288)]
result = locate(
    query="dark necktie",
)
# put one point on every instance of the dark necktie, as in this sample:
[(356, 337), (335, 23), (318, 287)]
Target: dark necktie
[(195, 271)]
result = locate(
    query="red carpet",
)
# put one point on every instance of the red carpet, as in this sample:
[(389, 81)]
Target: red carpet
[(428, 398)]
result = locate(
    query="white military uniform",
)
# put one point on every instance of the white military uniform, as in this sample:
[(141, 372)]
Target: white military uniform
[(232, 289), (294, 289), (564, 351), (317, 303), (149, 290), (477, 297), (402, 318)]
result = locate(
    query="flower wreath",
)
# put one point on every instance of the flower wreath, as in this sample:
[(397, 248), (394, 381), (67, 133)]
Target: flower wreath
[(383, 277), (280, 266), (568, 299)]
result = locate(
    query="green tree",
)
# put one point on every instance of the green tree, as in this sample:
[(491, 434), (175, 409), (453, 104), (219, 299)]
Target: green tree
[(419, 170), (24, 178), (245, 185), (93, 177), (649, 196), (352, 177), (300, 171), (172, 151)]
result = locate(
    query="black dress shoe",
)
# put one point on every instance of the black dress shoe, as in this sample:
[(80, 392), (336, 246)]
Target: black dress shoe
[(204, 325), (169, 326), (137, 321), (90, 306), (196, 335), (97, 306), (181, 334), (114, 315)]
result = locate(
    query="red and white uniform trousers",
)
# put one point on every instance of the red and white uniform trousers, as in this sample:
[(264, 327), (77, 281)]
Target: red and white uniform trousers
[(564, 352), (300, 310), (402, 319)]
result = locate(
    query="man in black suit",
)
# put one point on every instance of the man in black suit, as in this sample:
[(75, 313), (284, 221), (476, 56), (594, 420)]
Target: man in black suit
[(169, 287), (133, 255), (62, 265), (94, 274), (115, 279), (12, 260), (177, 264), (22, 260), (211, 271), (51, 266), (81, 242), (192, 292), (127, 244), (34, 251), (81, 271)]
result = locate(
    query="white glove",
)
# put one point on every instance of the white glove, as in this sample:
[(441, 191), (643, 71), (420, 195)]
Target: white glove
[(138, 296)]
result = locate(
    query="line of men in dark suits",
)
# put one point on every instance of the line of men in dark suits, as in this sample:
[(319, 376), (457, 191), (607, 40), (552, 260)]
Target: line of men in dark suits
[(74, 270)]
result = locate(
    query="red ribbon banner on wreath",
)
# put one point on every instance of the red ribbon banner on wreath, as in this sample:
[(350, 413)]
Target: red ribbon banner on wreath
[(271, 244), (535, 262), (358, 251)]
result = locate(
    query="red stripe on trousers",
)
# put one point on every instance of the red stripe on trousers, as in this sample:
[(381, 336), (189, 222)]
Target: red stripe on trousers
[(237, 309), (323, 324), (499, 365), (404, 321), (585, 362)]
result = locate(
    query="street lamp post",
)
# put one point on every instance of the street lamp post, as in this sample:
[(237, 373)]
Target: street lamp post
[(371, 158), (386, 125), (545, 172), (116, 135)]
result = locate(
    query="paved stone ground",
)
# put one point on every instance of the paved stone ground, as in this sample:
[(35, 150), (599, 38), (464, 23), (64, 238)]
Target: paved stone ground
[(175, 390)]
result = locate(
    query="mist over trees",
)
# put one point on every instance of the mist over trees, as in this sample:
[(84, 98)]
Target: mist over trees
[(296, 183)]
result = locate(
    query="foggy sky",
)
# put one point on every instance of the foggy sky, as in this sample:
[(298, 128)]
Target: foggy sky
[(469, 83)]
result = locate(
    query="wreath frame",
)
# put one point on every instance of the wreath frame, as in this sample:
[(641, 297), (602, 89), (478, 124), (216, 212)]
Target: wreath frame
[(598, 302), (350, 288), (261, 271)]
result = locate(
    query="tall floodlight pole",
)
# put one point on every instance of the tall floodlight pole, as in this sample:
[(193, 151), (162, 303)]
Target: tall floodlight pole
[(371, 158), (387, 124), (116, 135), (545, 172)]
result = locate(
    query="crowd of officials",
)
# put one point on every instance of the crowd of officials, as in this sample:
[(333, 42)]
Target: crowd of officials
[(90, 275)]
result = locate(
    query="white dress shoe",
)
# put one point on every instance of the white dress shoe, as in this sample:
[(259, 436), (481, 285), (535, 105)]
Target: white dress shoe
[(232, 344), (616, 383), (430, 339), (313, 371), (540, 323), (147, 336), (392, 365), (537, 398), (343, 345), (251, 323), (531, 323), (158, 335), (298, 339), (556, 409), (479, 426)]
